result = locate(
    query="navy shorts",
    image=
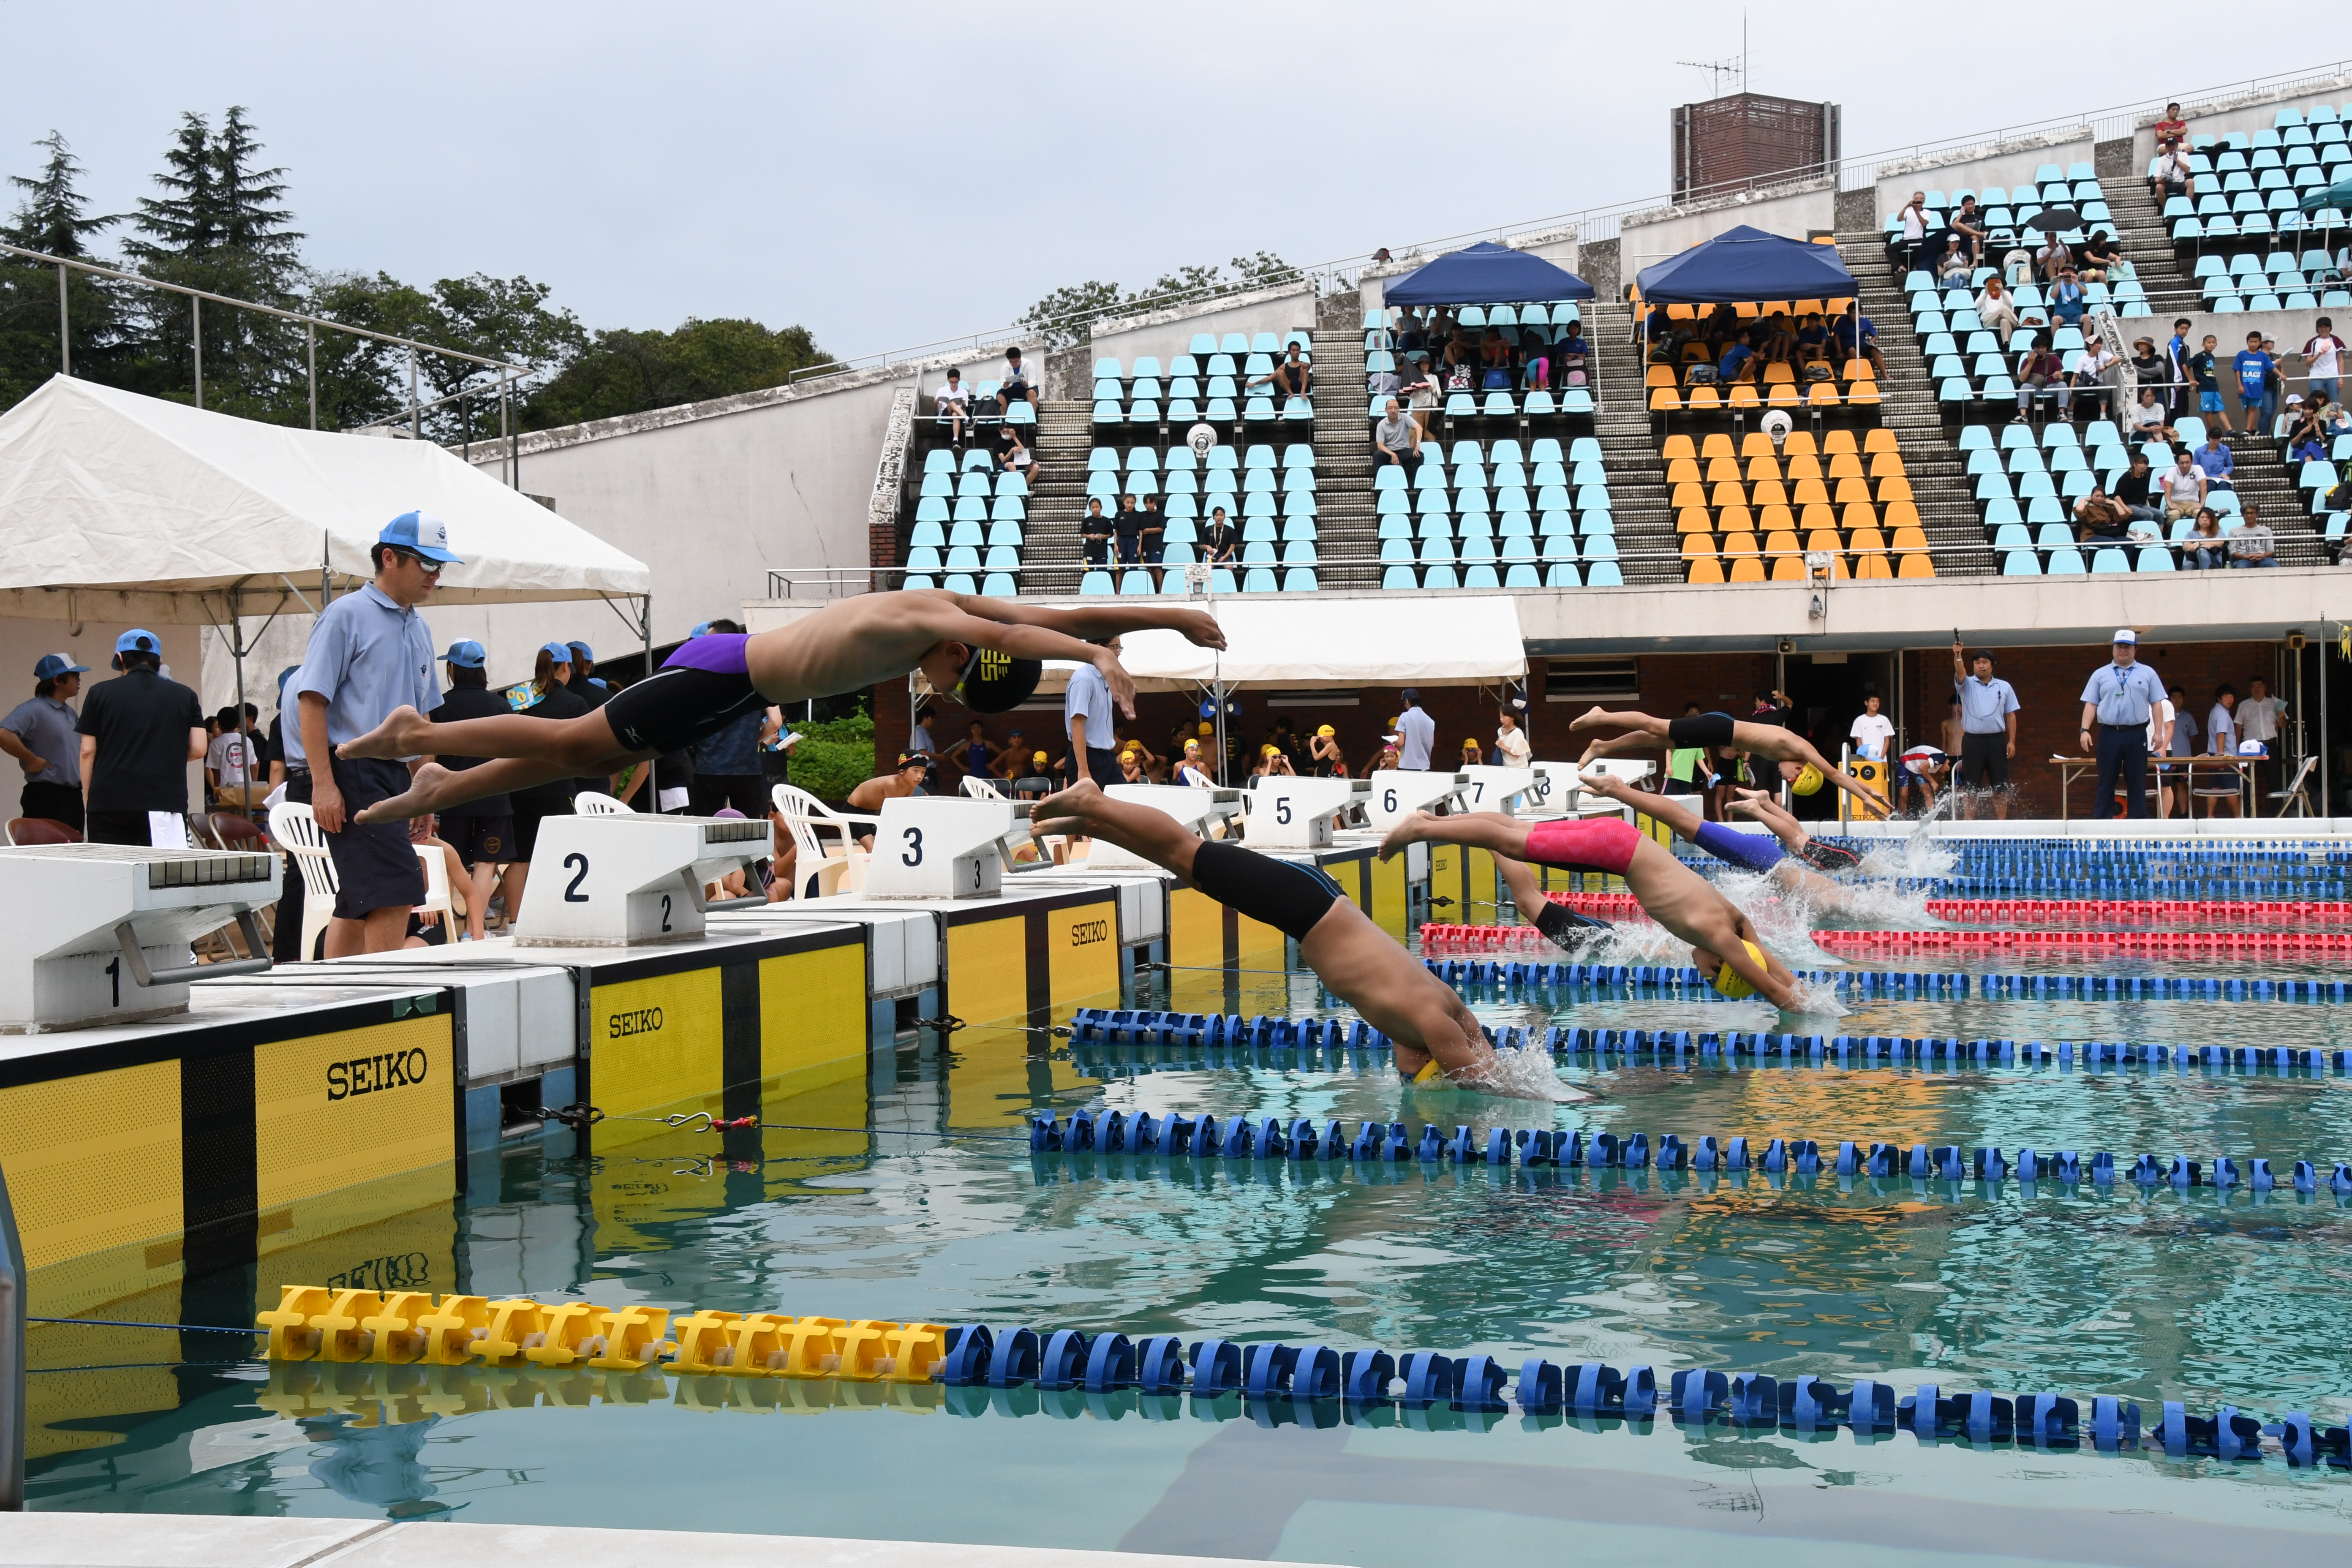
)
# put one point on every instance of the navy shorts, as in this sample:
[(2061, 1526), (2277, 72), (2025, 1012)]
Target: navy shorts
[(375, 866), (480, 838)]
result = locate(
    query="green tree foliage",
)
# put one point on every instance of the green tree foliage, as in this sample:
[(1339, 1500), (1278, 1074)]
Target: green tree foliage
[(626, 372), (52, 218), (501, 319), (834, 757), (1066, 317)]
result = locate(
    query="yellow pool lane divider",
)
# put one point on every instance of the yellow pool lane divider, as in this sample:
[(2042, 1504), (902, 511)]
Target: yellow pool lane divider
[(406, 1327)]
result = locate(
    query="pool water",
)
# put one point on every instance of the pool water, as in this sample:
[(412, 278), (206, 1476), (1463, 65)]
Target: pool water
[(923, 1202)]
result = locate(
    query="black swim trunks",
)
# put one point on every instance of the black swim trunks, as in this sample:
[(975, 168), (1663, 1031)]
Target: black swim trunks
[(1699, 730), (1565, 927), (1281, 893), (678, 705)]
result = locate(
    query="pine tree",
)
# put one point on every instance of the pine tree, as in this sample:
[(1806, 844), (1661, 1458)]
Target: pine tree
[(52, 218)]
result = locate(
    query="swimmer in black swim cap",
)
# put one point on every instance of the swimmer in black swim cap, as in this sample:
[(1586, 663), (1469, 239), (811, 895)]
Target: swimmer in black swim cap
[(851, 644)]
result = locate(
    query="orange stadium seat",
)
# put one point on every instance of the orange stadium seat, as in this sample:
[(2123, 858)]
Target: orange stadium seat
[(1746, 569), (1803, 466), (1770, 517), (1880, 441), (1870, 564), (1800, 445), (1683, 471), (1895, 489), (1901, 514), (1886, 465), (1705, 400), (1916, 564), (1694, 520), (1838, 441), (1704, 568), (1716, 446), (1735, 518), (1723, 470), (1731, 492), (1755, 444), (1858, 514), (1763, 466), (1677, 447), (1768, 492)]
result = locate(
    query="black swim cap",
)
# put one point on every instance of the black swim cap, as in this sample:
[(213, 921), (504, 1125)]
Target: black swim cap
[(993, 682), (1828, 856)]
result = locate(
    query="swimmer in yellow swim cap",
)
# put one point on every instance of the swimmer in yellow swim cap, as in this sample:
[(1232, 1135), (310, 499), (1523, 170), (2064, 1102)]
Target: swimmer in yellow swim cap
[(1728, 981), (1808, 780)]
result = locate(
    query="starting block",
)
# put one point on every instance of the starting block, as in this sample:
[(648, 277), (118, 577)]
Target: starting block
[(940, 846), (1396, 795), (1198, 810), (1501, 789), (1299, 813), (631, 878), (99, 933)]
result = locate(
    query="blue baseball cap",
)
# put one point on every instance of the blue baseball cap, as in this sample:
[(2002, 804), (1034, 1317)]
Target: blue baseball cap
[(419, 533), (284, 675), (465, 654), (137, 641), (702, 629), (53, 665), (560, 652), (584, 651)]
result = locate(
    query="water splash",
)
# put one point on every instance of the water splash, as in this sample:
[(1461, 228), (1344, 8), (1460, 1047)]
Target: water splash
[(1521, 1075), (1816, 1000), (1916, 852)]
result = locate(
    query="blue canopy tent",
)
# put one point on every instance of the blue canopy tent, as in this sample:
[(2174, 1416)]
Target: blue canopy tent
[(1745, 264), (1486, 274)]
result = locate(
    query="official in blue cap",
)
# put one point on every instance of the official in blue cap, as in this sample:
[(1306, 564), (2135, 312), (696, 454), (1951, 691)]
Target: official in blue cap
[(39, 733), (481, 830), (138, 733), (369, 653)]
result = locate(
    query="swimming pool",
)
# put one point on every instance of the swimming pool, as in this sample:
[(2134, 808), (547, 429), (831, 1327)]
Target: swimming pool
[(924, 1202)]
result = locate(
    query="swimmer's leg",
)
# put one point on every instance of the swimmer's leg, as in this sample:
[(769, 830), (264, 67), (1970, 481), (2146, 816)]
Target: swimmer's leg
[(1480, 829), (408, 733), (1600, 718), (1617, 745), (1788, 746), (436, 788), (1525, 891), (1083, 811), (1680, 818), (1762, 807)]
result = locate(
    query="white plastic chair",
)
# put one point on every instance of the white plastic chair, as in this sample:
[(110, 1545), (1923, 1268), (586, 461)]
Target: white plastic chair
[(822, 864), (980, 788), (588, 803), (296, 828), (437, 901)]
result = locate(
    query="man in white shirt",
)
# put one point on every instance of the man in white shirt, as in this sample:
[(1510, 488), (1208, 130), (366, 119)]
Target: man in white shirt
[(1914, 218), (2183, 488), (953, 404), (1872, 731), (2323, 360), (2258, 720)]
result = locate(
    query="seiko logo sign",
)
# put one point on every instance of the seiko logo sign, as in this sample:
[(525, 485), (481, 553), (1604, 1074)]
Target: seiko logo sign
[(1084, 932), (643, 1021), (366, 1075)]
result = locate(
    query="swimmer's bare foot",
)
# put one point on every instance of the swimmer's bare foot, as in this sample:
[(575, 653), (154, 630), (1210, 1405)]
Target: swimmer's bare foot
[(1413, 829), (1590, 718), (424, 795), (1603, 782), (401, 735), (1070, 812)]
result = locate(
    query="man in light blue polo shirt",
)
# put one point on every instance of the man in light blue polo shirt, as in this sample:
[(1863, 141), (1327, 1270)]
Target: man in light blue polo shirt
[(2116, 705), (1988, 709), (1417, 731), (369, 653), (1086, 718)]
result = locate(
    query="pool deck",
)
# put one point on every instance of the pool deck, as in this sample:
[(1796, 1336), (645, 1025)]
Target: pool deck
[(209, 1540)]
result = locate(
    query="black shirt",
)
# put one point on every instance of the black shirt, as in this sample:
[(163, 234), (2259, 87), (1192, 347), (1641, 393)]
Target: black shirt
[(555, 796), (472, 702), (592, 697), (142, 722), (2132, 489)]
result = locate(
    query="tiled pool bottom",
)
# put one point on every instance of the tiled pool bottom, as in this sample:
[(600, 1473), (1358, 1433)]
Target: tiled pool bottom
[(2193, 1296)]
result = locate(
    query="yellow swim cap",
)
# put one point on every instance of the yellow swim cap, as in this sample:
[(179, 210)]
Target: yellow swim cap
[(1809, 781), (1430, 1073), (1039, 759), (1325, 731), (1730, 983)]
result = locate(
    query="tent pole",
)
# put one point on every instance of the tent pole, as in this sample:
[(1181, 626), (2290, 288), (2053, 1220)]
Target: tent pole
[(416, 408), (65, 324), (197, 306), (236, 652), (311, 361)]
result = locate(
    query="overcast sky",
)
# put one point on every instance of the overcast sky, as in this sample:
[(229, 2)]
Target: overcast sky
[(890, 174)]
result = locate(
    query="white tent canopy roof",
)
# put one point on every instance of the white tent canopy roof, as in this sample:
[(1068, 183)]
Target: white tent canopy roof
[(1337, 642), (152, 505)]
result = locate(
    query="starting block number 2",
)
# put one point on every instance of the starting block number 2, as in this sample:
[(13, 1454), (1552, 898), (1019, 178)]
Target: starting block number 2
[(577, 864)]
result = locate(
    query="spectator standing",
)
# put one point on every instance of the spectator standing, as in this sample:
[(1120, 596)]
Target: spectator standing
[(918, 735), (138, 733), (1396, 440), (1871, 733), (593, 695), (2253, 369), (2250, 542), (2323, 360), (1511, 748), (1987, 710), (2118, 702), (1686, 765), (1088, 719), (549, 695), (1323, 750), (727, 770), (1914, 219), (1416, 733), (369, 653), (1152, 531), (2175, 368), (1968, 225), (232, 762), (39, 733), (1127, 533), (2171, 130), (2204, 373), (482, 831), (2182, 743), (2222, 722), (2258, 720), (1094, 533), (2159, 745), (980, 753)]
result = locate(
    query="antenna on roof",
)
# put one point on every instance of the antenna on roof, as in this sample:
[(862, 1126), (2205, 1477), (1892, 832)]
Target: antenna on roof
[(1736, 67)]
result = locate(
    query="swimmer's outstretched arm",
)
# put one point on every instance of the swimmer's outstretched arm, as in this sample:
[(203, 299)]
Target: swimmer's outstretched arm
[(1198, 627)]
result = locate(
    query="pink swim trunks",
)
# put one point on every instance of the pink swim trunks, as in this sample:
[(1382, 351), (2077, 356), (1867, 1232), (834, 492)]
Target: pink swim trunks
[(1584, 844)]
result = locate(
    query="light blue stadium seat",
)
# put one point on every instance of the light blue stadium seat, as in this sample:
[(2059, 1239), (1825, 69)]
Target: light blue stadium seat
[(1298, 580), (1095, 582), (1135, 581), (973, 509), (1397, 579), (1603, 574), (998, 586), (1439, 576), (966, 533), (2020, 563), (2065, 563), (2155, 558), (2110, 559)]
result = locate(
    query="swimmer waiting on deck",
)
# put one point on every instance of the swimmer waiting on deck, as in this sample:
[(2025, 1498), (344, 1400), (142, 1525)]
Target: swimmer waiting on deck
[(1717, 730), (1723, 942), (989, 652), (1430, 1031)]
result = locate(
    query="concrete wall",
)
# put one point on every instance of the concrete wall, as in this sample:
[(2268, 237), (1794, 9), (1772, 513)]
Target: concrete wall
[(2217, 118), (1164, 334), (1644, 239), (1973, 169)]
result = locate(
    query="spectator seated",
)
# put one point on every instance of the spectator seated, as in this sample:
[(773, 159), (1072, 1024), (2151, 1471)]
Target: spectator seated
[(1753, 513)]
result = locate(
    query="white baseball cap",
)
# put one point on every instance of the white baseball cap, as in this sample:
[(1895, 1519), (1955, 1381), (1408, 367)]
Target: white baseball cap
[(2125, 635)]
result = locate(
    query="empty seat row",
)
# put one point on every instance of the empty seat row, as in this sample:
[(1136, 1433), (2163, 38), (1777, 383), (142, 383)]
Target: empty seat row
[(1233, 346), (1179, 459), (1799, 444), (1144, 482), (2194, 232), (1435, 475), (2068, 561), (1497, 408), (1256, 409), (1487, 525), (1707, 402), (995, 584), (1135, 581), (1507, 499), (1559, 574), (1482, 316)]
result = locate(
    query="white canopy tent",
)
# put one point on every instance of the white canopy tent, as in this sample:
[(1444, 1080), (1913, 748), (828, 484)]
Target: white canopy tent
[(118, 506)]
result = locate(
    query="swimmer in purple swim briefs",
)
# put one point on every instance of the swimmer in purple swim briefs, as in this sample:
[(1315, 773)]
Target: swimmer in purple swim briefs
[(988, 653)]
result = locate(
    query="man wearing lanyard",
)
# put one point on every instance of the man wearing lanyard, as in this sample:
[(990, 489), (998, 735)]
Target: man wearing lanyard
[(2116, 705), (1086, 718)]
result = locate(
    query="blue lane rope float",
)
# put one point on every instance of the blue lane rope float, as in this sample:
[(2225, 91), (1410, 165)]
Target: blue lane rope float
[(1691, 984), (1335, 1040), (1300, 1138)]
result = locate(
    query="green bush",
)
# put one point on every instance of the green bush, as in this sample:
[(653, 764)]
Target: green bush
[(834, 757)]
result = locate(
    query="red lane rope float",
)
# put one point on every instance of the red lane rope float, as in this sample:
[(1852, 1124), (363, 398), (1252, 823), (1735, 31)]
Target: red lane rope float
[(2134, 912), (2058, 944)]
